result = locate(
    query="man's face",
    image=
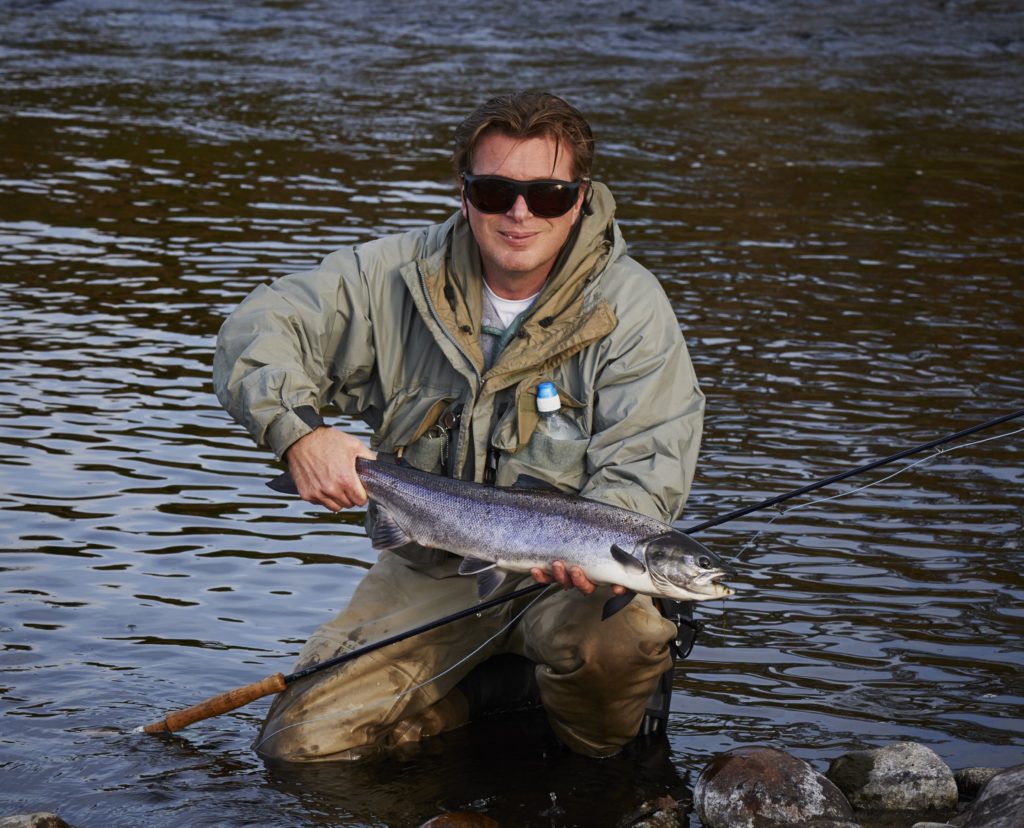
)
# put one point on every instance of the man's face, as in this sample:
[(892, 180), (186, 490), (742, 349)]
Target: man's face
[(518, 248)]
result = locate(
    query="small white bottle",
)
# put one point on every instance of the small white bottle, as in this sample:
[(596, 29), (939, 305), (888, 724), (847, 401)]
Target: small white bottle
[(554, 422)]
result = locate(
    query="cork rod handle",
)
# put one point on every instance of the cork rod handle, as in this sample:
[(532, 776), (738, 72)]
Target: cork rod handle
[(231, 700)]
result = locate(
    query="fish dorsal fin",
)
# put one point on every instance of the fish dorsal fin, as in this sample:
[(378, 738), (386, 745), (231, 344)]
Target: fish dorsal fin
[(387, 534), (488, 581), (616, 603), (628, 561), (474, 566), (526, 481)]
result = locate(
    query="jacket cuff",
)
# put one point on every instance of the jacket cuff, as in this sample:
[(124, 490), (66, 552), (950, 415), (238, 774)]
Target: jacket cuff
[(292, 425)]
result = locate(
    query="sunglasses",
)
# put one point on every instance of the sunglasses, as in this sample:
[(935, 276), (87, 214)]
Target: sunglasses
[(547, 198)]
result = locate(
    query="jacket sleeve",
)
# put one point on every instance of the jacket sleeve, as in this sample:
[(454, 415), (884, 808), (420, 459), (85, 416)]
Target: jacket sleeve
[(300, 341), (648, 412)]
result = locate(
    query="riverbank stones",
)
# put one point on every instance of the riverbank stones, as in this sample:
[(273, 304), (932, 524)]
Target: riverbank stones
[(904, 776), (1000, 804), (970, 781), (757, 787)]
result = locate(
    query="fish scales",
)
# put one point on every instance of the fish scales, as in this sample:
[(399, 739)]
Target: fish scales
[(499, 529), (559, 525)]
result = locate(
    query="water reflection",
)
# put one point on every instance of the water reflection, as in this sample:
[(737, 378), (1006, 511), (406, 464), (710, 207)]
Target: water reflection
[(831, 196)]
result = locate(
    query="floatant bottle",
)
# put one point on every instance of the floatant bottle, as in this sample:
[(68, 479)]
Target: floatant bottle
[(554, 422)]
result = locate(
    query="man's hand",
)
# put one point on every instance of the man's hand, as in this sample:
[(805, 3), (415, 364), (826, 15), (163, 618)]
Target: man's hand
[(323, 465), (569, 578)]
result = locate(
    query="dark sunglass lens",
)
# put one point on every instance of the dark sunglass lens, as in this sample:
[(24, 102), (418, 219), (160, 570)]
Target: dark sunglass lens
[(550, 200), (492, 195)]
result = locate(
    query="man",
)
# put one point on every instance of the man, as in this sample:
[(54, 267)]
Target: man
[(438, 339)]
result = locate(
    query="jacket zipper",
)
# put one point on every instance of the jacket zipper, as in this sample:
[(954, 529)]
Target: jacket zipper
[(462, 420)]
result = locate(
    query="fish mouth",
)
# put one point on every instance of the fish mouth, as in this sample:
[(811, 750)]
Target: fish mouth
[(698, 587), (708, 582)]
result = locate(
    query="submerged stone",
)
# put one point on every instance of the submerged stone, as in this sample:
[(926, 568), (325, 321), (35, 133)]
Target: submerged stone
[(969, 781), (757, 787), (460, 819), (904, 776), (661, 812)]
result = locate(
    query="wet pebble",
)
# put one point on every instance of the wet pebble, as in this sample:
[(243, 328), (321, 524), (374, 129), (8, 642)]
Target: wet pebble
[(751, 787), (904, 776), (41, 819)]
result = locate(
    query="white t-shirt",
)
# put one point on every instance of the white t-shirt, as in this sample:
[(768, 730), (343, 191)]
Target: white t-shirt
[(508, 309)]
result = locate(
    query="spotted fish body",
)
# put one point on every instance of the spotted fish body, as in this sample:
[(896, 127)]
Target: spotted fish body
[(501, 530)]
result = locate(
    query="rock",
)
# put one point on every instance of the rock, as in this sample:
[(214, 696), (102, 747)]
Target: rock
[(904, 776), (969, 781), (663, 812), (1000, 804), (932, 825), (41, 819), (756, 787), (459, 819)]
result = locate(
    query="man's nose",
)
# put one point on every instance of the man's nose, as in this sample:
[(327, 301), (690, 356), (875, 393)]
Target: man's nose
[(519, 209)]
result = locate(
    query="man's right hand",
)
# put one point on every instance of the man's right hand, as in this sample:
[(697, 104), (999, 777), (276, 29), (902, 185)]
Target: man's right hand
[(323, 466)]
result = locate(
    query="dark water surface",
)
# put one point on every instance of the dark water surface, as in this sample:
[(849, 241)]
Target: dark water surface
[(832, 195)]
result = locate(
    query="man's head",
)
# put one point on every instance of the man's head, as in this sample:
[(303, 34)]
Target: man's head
[(524, 163), (527, 115)]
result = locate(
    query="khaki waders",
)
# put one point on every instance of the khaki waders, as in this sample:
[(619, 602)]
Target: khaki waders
[(594, 677)]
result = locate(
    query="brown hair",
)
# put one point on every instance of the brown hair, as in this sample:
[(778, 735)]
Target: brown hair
[(527, 115)]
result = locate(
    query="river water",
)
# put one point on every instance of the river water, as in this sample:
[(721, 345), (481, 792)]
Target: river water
[(832, 196)]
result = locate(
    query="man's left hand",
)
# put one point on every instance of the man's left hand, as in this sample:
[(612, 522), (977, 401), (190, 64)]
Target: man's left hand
[(572, 577)]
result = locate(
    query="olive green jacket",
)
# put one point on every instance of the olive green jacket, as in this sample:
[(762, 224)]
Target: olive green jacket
[(389, 332)]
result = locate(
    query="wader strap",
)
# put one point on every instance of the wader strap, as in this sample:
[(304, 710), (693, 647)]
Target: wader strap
[(679, 613)]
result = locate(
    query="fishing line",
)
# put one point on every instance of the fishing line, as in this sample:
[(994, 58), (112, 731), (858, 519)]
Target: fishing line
[(938, 452), (235, 698), (394, 697)]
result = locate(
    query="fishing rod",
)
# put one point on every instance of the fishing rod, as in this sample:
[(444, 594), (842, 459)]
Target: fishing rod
[(874, 464), (241, 696)]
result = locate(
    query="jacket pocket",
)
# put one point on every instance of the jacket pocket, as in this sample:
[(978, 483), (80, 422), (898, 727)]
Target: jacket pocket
[(421, 429), (526, 451)]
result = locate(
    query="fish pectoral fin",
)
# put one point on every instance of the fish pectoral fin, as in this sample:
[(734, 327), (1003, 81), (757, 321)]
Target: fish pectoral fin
[(615, 603), (489, 580), (474, 566), (628, 560), (387, 534)]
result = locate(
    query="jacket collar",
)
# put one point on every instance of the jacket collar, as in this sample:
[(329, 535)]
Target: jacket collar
[(566, 317)]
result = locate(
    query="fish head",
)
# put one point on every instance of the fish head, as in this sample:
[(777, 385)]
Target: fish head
[(682, 568)]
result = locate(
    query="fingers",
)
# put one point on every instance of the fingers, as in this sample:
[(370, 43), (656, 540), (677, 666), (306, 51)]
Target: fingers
[(323, 465), (566, 577), (570, 578)]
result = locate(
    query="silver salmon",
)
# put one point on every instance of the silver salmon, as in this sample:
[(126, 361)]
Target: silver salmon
[(501, 530)]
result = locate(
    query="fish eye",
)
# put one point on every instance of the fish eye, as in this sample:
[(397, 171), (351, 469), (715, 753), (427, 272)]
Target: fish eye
[(704, 562)]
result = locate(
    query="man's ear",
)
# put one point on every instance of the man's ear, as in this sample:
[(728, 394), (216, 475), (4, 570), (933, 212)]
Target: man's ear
[(583, 201), (464, 207)]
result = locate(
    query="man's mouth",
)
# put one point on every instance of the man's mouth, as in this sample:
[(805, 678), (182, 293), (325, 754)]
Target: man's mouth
[(516, 236)]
